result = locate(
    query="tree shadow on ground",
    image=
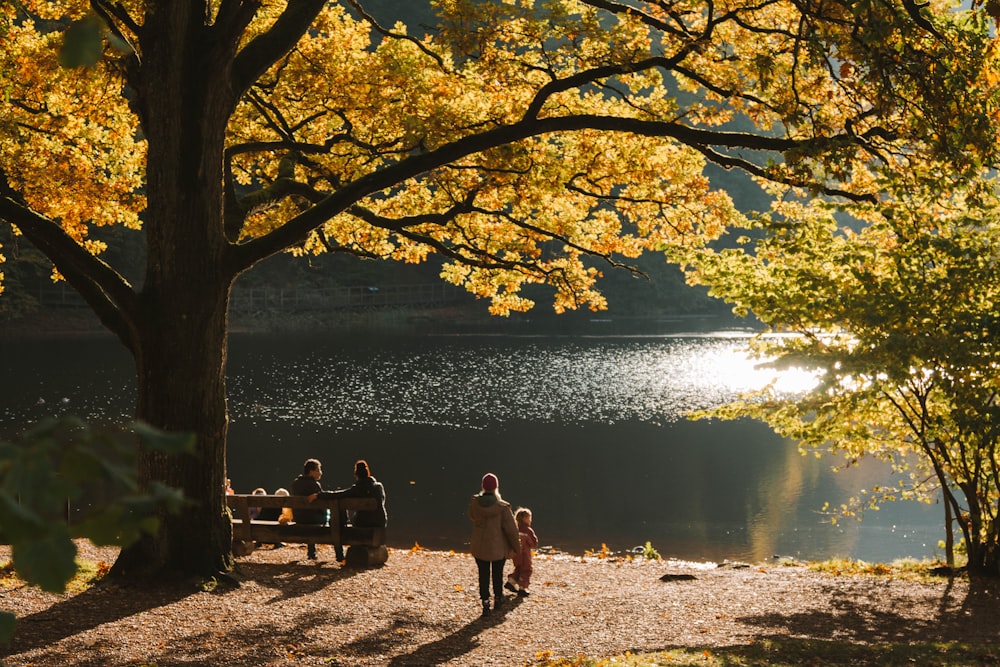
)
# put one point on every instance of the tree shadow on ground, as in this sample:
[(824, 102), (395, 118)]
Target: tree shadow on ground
[(971, 618), (291, 580), (112, 600), (104, 603), (256, 643)]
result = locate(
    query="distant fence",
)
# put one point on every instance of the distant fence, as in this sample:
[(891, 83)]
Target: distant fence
[(59, 295), (298, 299)]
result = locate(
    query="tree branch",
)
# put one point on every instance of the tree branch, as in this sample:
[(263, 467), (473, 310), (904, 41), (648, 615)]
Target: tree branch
[(591, 75), (467, 254), (233, 17), (103, 288), (395, 35), (296, 230), (402, 225), (114, 14), (266, 49), (730, 162), (651, 21)]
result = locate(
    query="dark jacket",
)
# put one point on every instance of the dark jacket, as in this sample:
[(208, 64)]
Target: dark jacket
[(305, 485), (365, 487)]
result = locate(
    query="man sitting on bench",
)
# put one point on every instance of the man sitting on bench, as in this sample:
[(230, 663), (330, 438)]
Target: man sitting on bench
[(307, 484)]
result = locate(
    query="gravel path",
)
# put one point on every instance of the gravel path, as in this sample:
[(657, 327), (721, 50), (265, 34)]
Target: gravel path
[(422, 609)]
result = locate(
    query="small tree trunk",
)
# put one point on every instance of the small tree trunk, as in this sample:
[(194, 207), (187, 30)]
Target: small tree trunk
[(949, 535), (981, 546)]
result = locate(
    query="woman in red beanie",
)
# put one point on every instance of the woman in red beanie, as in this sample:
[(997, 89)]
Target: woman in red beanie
[(494, 537)]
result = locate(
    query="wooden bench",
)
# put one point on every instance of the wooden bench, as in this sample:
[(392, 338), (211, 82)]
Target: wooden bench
[(365, 546)]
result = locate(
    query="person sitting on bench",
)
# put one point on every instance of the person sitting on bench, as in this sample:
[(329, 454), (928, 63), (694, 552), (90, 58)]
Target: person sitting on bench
[(365, 486), (307, 484)]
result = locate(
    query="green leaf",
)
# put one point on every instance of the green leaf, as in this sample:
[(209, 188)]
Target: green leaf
[(102, 530), (83, 44), (18, 520), (48, 561), (37, 485), (80, 463), (7, 623), (164, 441), (168, 497)]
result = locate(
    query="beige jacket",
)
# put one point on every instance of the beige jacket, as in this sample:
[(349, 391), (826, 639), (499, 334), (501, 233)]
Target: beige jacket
[(494, 531)]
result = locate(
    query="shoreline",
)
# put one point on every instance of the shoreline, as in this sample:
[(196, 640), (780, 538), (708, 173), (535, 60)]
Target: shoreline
[(399, 321)]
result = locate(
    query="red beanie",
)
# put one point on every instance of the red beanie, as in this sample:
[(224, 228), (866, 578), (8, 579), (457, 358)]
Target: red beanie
[(490, 482)]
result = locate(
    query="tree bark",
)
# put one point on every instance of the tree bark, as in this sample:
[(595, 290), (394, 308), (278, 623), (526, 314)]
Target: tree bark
[(180, 352), (181, 387), (180, 332), (949, 536)]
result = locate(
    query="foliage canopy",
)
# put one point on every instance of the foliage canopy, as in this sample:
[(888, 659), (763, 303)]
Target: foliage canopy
[(350, 101), (900, 321), (517, 139)]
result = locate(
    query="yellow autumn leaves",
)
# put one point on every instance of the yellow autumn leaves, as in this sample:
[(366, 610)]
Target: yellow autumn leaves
[(68, 142), (533, 208), (349, 102)]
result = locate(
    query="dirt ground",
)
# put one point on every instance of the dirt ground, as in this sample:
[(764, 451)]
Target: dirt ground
[(422, 608)]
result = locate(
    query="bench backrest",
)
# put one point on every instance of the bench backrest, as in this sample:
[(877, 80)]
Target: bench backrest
[(269, 531), (242, 502)]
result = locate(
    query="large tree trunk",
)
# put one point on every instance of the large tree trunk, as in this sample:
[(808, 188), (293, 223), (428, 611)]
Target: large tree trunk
[(181, 384), (180, 349), (179, 340)]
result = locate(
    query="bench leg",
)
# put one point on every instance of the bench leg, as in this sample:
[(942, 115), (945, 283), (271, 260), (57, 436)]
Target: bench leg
[(362, 556)]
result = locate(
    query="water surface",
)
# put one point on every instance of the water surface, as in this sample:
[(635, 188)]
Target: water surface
[(590, 432)]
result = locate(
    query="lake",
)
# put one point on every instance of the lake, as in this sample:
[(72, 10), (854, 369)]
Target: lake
[(588, 431)]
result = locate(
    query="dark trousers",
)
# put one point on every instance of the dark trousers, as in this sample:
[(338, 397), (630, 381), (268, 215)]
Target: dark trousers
[(323, 520), (338, 551), (490, 570)]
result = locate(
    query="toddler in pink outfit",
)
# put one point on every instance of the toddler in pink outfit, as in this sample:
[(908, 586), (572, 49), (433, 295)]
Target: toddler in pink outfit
[(520, 578)]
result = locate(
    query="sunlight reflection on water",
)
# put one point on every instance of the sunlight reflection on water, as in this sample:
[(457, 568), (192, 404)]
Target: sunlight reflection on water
[(458, 381), (482, 382)]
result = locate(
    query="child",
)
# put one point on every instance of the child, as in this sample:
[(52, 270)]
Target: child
[(255, 511), (280, 514), (286, 512), (520, 578)]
